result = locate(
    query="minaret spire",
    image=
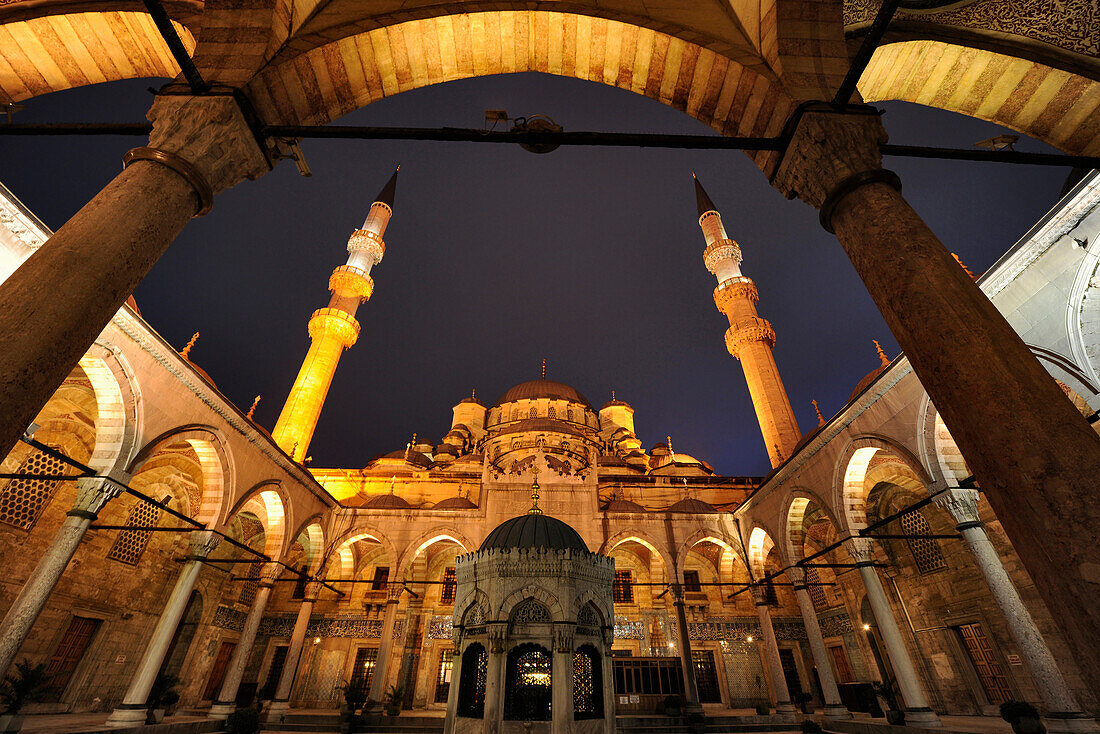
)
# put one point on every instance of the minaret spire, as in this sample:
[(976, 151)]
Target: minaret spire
[(333, 329), (750, 338)]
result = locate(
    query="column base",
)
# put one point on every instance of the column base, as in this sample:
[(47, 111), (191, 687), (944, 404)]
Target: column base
[(276, 709), (924, 717), (127, 715), (1072, 721), (837, 711), (221, 710), (785, 708)]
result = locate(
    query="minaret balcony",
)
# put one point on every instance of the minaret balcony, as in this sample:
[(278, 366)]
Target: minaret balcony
[(368, 242), (756, 330), (336, 323), (348, 280), (732, 289), (720, 250)]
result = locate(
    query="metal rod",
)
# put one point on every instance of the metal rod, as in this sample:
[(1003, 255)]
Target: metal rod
[(44, 477), (998, 156), (63, 458), (175, 45), (866, 51), (146, 528), (877, 564), (77, 128), (954, 536)]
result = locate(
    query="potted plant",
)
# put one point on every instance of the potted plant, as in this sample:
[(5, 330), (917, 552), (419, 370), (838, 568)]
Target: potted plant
[(763, 709), (809, 726), (243, 721), (162, 696), (26, 683), (885, 691), (673, 705), (1023, 717), (392, 700), (804, 701)]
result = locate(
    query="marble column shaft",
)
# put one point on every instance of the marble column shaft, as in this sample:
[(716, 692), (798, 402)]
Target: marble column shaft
[(132, 709), (385, 648), (773, 666), (834, 709), (226, 702), (1031, 451), (294, 651), (92, 494), (494, 677), (691, 690)]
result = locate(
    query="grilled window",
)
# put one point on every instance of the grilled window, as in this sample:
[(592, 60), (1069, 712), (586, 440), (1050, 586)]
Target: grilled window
[(443, 676), (926, 551), (471, 682), (130, 544), (691, 581), (23, 500), (300, 584), (448, 594), (817, 592), (250, 587), (622, 591), (527, 684), (531, 612), (587, 684)]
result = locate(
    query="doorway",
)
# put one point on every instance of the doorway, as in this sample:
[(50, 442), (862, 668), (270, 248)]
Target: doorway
[(217, 672), (70, 651)]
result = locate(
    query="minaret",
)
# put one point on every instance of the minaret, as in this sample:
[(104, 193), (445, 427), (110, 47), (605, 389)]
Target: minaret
[(750, 338), (334, 328)]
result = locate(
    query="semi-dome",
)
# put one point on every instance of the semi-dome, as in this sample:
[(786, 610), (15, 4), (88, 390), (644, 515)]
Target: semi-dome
[(543, 389), (455, 503), (534, 531), (388, 502), (622, 506)]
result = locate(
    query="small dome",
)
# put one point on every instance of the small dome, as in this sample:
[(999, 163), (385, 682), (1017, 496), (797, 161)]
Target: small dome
[(862, 384), (388, 502), (623, 506), (412, 456), (612, 403), (470, 399), (534, 531), (692, 505), (543, 389), (455, 503)]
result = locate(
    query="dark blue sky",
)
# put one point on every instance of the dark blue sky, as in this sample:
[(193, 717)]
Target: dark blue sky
[(497, 258)]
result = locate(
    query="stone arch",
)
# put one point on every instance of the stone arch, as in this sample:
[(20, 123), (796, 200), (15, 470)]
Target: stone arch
[(59, 51), (118, 403), (267, 501), (642, 538), (590, 597), (793, 538), (342, 558), (214, 457), (314, 532), (851, 470), (761, 544), (532, 591), (481, 599), (717, 537), (1046, 103), (421, 543)]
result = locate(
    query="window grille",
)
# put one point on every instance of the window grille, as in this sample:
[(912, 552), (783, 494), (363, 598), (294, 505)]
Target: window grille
[(588, 616), (475, 616), (250, 587), (691, 581), (449, 586), (570, 415), (443, 679), (817, 593), (381, 577), (587, 684), (130, 544), (622, 590), (532, 413), (363, 671), (23, 500), (925, 550), (471, 683), (531, 612), (706, 676), (551, 412), (527, 684)]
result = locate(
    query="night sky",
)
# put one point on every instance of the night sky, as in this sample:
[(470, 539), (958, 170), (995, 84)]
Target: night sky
[(497, 258)]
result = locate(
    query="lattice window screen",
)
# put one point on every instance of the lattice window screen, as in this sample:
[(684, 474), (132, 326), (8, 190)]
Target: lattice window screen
[(250, 587), (130, 544), (925, 550), (531, 612), (817, 593), (23, 500)]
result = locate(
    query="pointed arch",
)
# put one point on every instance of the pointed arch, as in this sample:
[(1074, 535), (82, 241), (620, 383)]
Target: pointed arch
[(269, 503), (851, 470), (793, 539), (342, 559), (443, 533), (714, 536), (214, 457), (761, 544), (642, 538), (118, 404), (314, 546), (532, 591)]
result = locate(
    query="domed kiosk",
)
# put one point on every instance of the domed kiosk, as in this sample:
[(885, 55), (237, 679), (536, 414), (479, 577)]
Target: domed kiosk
[(532, 633)]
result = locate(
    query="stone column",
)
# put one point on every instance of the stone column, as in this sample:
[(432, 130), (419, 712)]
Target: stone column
[(281, 704), (691, 690), (561, 680), (385, 645), (1031, 451), (494, 677), (773, 667), (58, 301), (405, 674), (834, 709), (917, 710), (92, 494), (132, 710), (1063, 711), (456, 680), (226, 702)]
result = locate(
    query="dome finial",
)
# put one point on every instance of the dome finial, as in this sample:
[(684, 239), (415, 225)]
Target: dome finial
[(251, 410), (820, 418), (881, 354), (612, 396), (544, 368), (187, 349)]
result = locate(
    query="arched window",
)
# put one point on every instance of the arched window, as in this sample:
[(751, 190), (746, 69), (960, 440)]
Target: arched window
[(925, 550), (533, 413), (527, 684), (471, 683), (587, 684), (130, 544), (570, 415), (22, 500), (551, 412)]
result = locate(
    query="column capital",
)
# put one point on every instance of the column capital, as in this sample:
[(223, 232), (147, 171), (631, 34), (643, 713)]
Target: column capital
[(312, 591), (862, 550), (830, 154), (961, 504), (93, 494), (759, 596), (203, 543), (797, 575), (563, 637), (269, 572), (206, 139)]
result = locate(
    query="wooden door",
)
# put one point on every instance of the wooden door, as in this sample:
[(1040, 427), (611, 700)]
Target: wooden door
[(69, 652), (217, 672), (840, 661), (985, 662)]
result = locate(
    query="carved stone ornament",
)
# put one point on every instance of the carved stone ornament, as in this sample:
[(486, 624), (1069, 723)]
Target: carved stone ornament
[(497, 635), (210, 133), (962, 504), (757, 330), (826, 149), (563, 637), (269, 572), (203, 543), (312, 591), (732, 289), (860, 549), (93, 494)]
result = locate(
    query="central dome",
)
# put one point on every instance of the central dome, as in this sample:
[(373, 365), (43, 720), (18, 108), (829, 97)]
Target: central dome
[(543, 389), (534, 531)]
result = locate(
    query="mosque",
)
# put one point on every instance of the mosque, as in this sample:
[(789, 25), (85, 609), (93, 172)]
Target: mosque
[(924, 555)]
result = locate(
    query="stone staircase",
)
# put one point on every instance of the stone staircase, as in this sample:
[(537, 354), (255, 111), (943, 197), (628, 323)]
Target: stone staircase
[(322, 722), (328, 722), (709, 725)]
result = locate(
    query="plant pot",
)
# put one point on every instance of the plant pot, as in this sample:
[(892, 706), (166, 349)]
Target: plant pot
[(807, 707), (393, 711), (11, 722), (1028, 725), (154, 716), (897, 718)]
